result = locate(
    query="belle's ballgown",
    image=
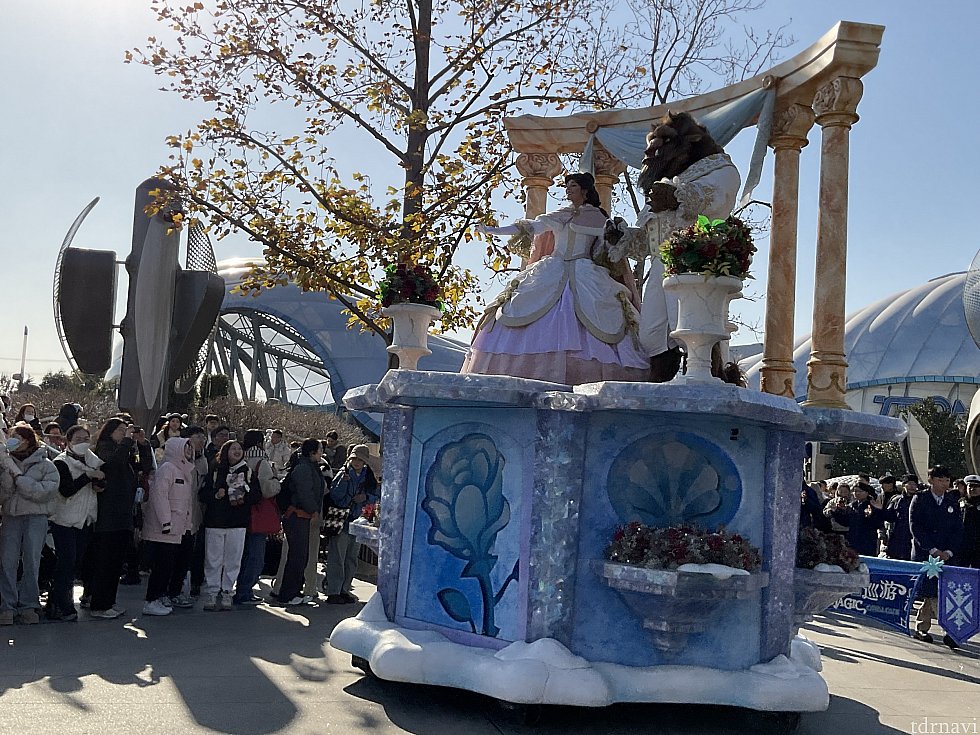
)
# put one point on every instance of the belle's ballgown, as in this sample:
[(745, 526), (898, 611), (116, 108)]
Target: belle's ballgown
[(563, 318)]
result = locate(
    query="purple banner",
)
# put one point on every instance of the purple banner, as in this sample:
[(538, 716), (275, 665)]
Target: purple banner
[(959, 602)]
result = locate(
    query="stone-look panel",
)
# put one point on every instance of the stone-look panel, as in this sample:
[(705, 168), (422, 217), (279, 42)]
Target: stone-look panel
[(789, 137), (781, 512), (539, 171), (559, 459), (397, 429), (835, 105)]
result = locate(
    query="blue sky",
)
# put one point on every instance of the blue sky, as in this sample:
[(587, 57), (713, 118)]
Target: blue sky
[(80, 123)]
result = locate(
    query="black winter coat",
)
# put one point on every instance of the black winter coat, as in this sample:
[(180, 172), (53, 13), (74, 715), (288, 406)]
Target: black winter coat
[(935, 525), (123, 463), (219, 512), (899, 535), (969, 555)]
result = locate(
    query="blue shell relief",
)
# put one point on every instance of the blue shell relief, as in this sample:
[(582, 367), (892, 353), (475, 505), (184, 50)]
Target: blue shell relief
[(670, 478), (465, 501)]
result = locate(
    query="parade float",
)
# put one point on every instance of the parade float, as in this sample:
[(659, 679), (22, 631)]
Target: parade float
[(519, 514)]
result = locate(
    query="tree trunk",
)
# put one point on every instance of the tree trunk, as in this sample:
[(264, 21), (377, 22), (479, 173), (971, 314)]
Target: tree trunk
[(418, 129)]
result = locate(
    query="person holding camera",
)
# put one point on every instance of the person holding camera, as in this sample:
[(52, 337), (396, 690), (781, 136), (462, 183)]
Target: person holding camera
[(73, 513), (123, 457)]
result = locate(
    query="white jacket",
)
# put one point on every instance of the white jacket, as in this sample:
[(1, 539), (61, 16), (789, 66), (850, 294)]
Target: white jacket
[(32, 492), (82, 508)]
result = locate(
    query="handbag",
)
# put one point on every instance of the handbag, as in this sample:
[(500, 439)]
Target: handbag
[(265, 517), (334, 519)]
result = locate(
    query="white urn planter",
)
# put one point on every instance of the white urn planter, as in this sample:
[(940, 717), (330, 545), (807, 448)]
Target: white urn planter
[(702, 318), (410, 334)]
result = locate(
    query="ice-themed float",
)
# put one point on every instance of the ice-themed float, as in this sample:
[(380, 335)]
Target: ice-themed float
[(501, 494)]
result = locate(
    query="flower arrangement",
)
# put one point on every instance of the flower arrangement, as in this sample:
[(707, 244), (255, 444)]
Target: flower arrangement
[(407, 283), (371, 512), (669, 548), (720, 247), (815, 547)]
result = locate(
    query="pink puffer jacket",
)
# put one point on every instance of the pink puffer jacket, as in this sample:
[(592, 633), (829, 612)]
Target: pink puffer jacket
[(171, 495)]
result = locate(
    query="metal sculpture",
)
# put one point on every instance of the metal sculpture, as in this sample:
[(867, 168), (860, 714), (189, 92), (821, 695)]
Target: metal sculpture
[(170, 311)]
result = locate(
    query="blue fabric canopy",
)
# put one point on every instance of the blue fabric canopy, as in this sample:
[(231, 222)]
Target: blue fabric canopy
[(628, 143)]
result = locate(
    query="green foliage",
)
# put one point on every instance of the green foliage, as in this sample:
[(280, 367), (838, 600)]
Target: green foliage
[(875, 458), (945, 445), (213, 386), (721, 247), (62, 381)]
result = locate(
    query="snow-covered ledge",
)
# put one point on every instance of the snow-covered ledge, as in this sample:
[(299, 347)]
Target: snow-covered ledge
[(546, 672)]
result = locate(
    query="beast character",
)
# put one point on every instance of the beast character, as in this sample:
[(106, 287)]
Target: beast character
[(685, 173)]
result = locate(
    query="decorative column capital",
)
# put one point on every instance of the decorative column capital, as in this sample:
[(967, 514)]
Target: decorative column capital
[(790, 127), (539, 166), (606, 164), (835, 103)]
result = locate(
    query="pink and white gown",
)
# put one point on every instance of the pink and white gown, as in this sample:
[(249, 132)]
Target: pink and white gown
[(563, 318)]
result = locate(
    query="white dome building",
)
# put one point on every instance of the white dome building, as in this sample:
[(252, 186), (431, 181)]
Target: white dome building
[(902, 349)]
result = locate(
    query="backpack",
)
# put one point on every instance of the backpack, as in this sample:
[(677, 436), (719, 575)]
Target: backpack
[(285, 497)]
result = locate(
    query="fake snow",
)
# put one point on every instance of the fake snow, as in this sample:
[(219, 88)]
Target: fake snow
[(718, 571), (546, 672)]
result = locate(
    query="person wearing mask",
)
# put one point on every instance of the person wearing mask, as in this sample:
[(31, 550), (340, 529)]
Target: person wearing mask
[(73, 513), (354, 485), (263, 520), (969, 555), (896, 517), (305, 487), (228, 499), (278, 451), (28, 415), (167, 520), (937, 531), (190, 555), (28, 485), (124, 458)]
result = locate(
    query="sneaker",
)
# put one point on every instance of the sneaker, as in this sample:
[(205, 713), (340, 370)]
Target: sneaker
[(110, 614), (298, 600), (67, 617), (181, 601), (165, 601), (924, 637), (28, 617), (225, 602), (350, 597), (337, 600), (948, 640), (6, 617), (156, 607), (211, 603)]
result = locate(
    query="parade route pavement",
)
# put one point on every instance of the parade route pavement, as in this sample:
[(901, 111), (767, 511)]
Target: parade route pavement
[(271, 670)]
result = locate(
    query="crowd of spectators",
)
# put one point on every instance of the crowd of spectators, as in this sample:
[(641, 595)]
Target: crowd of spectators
[(188, 510), (938, 519)]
